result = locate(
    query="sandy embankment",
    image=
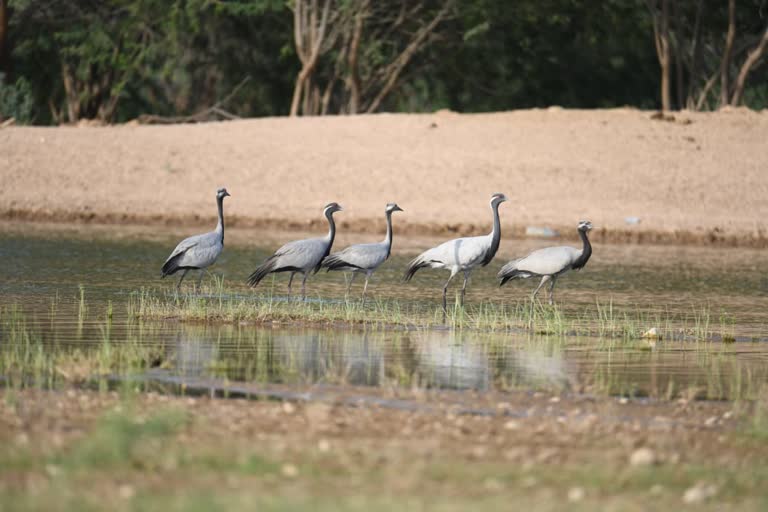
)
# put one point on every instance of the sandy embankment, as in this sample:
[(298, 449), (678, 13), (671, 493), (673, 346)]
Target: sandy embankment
[(700, 179)]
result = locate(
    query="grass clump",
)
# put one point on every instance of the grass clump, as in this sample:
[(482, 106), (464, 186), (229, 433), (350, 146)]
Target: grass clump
[(604, 319), (33, 356)]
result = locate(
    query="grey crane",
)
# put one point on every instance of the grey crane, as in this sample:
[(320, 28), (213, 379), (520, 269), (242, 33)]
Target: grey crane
[(200, 251), (364, 257), (461, 254), (550, 263), (302, 256)]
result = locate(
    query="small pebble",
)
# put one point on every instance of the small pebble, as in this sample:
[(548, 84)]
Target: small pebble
[(512, 425), (576, 494), (126, 491), (699, 493), (288, 408), (289, 471), (642, 457)]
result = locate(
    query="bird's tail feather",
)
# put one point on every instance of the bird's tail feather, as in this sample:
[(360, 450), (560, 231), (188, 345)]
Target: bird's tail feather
[(336, 262), (171, 266), (509, 272), (414, 266), (261, 271)]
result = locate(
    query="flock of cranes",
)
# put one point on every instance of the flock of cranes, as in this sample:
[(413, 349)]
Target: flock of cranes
[(457, 255)]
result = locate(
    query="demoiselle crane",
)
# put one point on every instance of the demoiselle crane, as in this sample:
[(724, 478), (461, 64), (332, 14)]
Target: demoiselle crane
[(550, 263), (302, 256), (364, 258), (461, 254), (200, 251)]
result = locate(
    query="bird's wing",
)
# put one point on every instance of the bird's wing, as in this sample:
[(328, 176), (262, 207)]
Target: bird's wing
[(454, 252), (548, 261), (365, 256), (472, 249), (185, 245), (300, 253)]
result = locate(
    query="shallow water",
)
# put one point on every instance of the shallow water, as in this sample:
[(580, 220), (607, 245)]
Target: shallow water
[(43, 272)]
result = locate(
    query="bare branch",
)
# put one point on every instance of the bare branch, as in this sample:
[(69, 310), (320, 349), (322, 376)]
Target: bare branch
[(203, 115), (726, 62), (749, 63), (396, 67)]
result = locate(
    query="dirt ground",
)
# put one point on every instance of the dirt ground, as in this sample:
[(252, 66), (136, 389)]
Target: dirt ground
[(700, 178), (74, 449)]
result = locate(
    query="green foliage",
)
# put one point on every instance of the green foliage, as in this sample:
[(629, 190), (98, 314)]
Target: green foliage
[(16, 101), (117, 59)]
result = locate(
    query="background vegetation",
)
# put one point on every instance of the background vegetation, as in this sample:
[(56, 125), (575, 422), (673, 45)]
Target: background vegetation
[(190, 60)]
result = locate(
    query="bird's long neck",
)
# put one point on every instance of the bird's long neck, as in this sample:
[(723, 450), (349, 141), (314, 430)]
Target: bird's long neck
[(495, 235), (586, 251), (388, 239), (220, 225), (331, 229)]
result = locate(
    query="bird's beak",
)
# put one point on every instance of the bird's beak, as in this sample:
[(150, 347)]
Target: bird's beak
[(397, 209), (340, 209), (227, 194)]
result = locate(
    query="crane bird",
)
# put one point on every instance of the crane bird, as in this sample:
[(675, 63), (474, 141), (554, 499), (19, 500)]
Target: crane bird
[(461, 254), (300, 255), (550, 263), (200, 251), (364, 257)]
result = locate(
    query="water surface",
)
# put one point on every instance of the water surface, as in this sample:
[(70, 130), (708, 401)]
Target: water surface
[(44, 273)]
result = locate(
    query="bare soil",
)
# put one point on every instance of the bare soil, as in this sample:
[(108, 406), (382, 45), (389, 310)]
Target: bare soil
[(585, 453), (698, 179)]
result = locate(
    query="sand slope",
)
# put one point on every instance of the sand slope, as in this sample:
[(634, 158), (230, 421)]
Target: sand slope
[(701, 178)]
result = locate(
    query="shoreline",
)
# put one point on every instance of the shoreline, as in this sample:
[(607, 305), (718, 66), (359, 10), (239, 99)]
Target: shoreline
[(635, 235)]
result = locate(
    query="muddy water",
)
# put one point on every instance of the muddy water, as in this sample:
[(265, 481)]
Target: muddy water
[(42, 272)]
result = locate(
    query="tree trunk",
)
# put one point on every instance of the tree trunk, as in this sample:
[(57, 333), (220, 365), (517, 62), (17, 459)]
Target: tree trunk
[(308, 33), (752, 58), (693, 72), (725, 64), (297, 91), (661, 42), (5, 52), (353, 80), (70, 91), (678, 53), (663, 51)]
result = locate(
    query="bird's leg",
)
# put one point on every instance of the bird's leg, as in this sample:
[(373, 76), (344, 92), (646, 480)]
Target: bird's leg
[(349, 284), (464, 287), (445, 291), (544, 279), (200, 279), (290, 281), (552, 291), (304, 287), (183, 275), (365, 286)]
